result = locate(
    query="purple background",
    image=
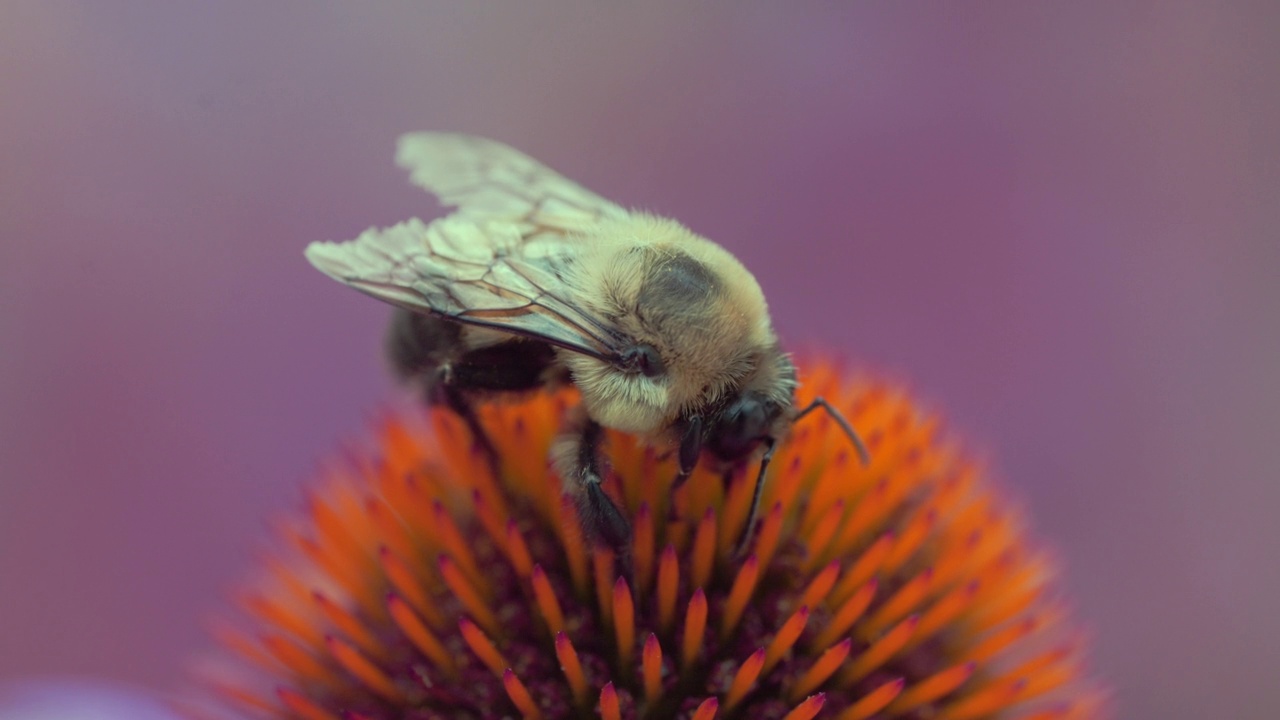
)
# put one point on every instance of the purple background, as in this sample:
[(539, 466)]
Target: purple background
[(1060, 223)]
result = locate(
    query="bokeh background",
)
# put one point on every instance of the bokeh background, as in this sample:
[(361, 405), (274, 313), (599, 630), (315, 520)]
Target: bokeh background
[(1060, 223)]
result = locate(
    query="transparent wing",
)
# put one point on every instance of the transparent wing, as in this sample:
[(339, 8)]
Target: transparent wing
[(487, 180), (488, 274)]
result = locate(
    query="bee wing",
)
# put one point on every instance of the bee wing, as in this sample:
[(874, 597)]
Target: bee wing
[(487, 180), (483, 273)]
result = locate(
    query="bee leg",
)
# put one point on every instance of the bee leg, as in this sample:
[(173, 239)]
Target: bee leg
[(577, 457), (686, 460), (603, 518), (690, 449), (755, 499), (458, 402)]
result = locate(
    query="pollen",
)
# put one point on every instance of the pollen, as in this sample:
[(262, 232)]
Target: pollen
[(417, 584)]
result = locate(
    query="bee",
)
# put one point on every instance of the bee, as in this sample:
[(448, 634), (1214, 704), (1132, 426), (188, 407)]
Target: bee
[(535, 281)]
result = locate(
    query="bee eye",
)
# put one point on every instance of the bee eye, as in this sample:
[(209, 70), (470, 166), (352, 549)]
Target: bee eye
[(643, 359)]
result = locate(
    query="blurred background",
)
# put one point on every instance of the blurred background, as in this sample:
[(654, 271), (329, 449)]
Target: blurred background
[(1060, 224)]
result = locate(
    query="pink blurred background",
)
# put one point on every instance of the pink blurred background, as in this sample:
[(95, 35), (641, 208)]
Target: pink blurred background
[(1060, 223)]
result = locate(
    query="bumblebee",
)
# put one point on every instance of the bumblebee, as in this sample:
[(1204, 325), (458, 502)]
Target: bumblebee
[(534, 281)]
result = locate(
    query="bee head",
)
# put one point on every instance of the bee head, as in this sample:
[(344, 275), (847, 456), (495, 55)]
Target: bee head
[(760, 410), (743, 422)]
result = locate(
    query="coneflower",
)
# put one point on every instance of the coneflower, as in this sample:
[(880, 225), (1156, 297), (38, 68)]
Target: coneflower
[(417, 585)]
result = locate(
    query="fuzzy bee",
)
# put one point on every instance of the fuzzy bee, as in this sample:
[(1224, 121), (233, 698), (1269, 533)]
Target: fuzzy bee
[(535, 281)]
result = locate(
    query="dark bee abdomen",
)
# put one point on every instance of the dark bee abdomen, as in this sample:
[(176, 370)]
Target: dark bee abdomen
[(418, 345), (432, 351), (510, 366)]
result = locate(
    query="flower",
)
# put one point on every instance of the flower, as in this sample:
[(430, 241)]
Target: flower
[(418, 585)]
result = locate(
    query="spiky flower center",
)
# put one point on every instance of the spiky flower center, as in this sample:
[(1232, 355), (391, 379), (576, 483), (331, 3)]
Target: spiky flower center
[(418, 585)]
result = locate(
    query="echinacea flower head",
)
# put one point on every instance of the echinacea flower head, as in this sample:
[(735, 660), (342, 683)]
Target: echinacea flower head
[(418, 585)]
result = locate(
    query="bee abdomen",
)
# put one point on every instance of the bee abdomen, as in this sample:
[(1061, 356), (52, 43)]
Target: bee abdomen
[(432, 352), (419, 345), (506, 367)]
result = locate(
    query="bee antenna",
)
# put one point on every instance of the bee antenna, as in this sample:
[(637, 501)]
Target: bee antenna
[(852, 434)]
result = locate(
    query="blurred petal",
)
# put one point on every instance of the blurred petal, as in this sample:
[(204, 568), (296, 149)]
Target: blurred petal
[(68, 699)]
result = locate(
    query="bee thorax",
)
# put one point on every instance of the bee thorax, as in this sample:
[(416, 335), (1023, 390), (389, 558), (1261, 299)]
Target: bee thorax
[(623, 401)]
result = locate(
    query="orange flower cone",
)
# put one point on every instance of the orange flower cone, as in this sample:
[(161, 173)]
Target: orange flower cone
[(419, 586)]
